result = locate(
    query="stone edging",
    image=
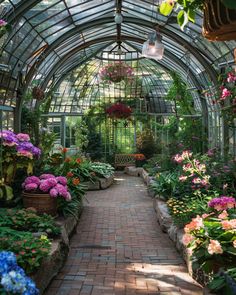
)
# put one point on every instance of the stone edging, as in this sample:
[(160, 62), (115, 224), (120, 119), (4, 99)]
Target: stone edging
[(101, 183), (52, 264)]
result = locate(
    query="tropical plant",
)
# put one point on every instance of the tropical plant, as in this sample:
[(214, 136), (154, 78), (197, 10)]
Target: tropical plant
[(188, 9), (102, 169), (145, 143)]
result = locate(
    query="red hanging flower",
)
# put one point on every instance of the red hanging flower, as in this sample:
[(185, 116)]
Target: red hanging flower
[(119, 111)]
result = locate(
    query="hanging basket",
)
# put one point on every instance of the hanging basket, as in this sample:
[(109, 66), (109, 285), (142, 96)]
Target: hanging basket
[(43, 203), (219, 22)]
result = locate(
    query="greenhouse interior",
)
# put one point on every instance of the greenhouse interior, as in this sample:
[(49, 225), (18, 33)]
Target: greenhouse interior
[(117, 147)]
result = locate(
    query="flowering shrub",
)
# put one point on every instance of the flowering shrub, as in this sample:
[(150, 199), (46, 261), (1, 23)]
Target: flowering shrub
[(13, 277), (119, 111), (116, 72), (17, 153), (139, 157), (47, 183), (227, 94), (211, 237)]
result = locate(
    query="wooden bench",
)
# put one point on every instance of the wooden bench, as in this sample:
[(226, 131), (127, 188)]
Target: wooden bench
[(124, 160)]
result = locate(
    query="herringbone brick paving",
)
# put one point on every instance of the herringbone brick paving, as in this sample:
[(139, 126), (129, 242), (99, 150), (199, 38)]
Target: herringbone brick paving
[(120, 249)]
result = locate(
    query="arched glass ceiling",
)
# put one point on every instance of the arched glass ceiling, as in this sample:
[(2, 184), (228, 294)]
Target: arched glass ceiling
[(82, 88), (50, 37)]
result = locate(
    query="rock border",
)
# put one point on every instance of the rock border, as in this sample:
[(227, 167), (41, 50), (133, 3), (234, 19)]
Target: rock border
[(52, 264), (101, 183)]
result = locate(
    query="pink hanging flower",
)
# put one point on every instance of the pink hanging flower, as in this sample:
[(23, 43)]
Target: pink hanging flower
[(225, 93)]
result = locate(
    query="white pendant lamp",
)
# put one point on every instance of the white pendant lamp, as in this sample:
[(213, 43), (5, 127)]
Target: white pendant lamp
[(118, 18), (153, 48)]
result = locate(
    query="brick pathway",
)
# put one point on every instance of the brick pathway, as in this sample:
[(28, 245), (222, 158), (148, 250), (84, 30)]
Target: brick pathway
[(119, 248)]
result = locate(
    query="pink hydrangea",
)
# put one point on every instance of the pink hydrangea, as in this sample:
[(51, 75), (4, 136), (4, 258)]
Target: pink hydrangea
[(222, 203), (31, 187), (51, 181), (32, 179), (23, 137), (23, 153), (68, 197), (62, 191), (46, 176), (44, 186), (62, 180), (53, 192)]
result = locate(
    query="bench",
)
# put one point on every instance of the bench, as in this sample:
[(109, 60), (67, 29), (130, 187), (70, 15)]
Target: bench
[(124, 160)]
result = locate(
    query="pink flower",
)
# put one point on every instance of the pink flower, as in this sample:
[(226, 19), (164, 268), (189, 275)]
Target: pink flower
[(195, 224), (62, 191), (231, 78), (214, 247), (46, 176), (23, 137), (187, 239), (225, 93), (228, 224), (23, 153), (178, 158), (62, 180), (51, 181), (68, 197), (223, 215), (31, 187), (196, 180), (32, 179), (53, 192), (3, 23), (186, 154), (44, 186), (182, 178)]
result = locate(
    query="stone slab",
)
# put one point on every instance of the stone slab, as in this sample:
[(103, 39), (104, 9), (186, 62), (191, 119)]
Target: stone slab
[(134, 171), (163, 215), (106, 182)]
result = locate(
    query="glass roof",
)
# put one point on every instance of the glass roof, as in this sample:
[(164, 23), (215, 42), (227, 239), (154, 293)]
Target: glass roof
[(50, 38)]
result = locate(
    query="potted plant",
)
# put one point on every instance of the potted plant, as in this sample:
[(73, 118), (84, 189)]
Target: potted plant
[(42, 192), (116, 72), (37, 93), (140, 160), (219, 16)]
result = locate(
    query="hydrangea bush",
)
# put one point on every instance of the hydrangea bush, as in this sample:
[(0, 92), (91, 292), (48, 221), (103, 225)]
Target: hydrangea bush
[(56, 186), (13, 278)]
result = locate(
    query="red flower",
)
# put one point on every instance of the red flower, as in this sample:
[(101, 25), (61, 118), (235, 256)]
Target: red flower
[(69, 175), (64, 150), (76, 181), (119, 111), (78, 160), (67, 160)]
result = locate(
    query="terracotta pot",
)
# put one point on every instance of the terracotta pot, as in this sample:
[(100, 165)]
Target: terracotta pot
[(43, 203), (219, 22)]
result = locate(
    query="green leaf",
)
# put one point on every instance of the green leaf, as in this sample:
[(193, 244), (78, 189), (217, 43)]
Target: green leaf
[(166, 8), (182, 19), (229, 3), (191, 15), (217, 283), (9, 192)]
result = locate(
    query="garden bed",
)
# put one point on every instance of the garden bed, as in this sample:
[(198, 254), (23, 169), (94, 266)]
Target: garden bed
[(52, 264)]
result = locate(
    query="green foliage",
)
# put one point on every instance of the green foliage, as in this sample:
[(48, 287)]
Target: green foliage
[(28, 220), (145, 143), (224, 282), (102, 169), (165, 184), (181, 96), (30, 251)]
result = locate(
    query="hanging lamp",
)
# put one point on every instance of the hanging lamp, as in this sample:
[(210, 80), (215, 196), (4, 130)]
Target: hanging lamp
[(153, 48), (118, 18)]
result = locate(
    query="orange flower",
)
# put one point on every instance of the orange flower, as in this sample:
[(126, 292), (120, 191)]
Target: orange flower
[(67, 160), (64, 150), (69, 174), (76, 181), (78, 160)]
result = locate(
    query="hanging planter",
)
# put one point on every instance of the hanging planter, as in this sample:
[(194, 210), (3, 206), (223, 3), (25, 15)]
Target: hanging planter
[(119, 111), (4, 31), (37, 93), (219, 16), (116, 72), (219, 22)]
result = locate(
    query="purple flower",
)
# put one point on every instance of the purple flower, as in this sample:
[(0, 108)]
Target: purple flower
[(222, 203), (53, 192), (23, 137), (3, 23), (36, 151), (62, 180), (31, 187), (46, 176)]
